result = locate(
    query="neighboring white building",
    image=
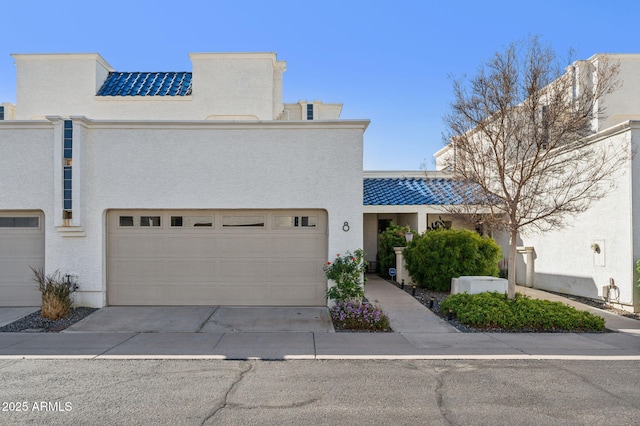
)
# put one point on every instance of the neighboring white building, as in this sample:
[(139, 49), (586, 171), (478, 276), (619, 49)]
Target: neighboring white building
[(175, 188), (603, 243)]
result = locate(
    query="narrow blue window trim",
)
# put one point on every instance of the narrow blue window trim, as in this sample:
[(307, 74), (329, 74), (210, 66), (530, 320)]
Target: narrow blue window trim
[(309, 111), (1, 113), (67, 196)]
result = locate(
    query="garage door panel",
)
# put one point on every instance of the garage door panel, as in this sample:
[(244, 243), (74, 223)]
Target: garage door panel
[(172, 264), (140, 294), (301, 269), (190, 270), (311, 245), (189, 294), (16, 293), (19, 270), (136, 245), (242, 245), (229, 269), (19, 247), (137, 270), (188, 246)]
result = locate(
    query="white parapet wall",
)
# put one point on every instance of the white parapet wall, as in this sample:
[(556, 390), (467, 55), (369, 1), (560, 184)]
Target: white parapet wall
[(478, 284)]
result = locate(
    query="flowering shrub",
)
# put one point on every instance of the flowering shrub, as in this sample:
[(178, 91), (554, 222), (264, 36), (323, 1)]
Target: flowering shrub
[(348, 273), (352, 315)]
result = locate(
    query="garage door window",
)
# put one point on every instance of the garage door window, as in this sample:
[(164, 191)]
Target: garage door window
[(19, 222), (146, 221), (149, 220), (191, 221), (294, 221), (243, 221)]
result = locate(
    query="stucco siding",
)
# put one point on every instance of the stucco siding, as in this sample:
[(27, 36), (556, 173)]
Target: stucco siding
[(26, 162), (210, 165), (564, 259)]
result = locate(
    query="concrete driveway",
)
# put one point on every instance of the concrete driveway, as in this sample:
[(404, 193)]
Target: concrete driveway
[(204, 319)]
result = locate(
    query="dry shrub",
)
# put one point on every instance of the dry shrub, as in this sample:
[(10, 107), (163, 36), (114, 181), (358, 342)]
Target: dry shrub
[(56, 294)]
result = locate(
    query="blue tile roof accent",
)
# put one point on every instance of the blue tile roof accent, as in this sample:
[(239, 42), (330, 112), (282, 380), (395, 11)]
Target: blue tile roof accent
[(146, 84), (414, 191)]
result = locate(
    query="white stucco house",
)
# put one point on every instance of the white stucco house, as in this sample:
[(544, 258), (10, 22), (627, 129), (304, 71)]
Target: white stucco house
[(601, 245), (203, 187), (174, 188)]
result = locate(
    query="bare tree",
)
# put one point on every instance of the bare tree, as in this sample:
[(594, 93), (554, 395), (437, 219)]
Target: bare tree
[(520, 130)]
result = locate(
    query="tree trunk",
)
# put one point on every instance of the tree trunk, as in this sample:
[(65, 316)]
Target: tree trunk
[(513, 243)]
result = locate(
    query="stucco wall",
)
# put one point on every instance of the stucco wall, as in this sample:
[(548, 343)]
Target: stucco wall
[(564, 260), (225, 86), (211, 165), (26, 165), (622, 105)]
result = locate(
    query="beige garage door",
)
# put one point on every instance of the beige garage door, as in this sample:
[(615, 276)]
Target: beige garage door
[(216, 257), (21, 246)]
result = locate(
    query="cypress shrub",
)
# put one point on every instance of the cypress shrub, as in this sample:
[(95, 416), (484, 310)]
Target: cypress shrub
[(392, 237)]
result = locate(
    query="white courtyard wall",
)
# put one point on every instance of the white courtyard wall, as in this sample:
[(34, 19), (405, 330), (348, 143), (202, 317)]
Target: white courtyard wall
[(564, 259)]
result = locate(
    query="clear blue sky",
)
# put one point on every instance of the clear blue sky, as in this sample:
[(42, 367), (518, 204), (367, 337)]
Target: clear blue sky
[(388, 61)]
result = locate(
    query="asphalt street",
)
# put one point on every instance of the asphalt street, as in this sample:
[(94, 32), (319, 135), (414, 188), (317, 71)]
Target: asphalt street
[(439, 392)]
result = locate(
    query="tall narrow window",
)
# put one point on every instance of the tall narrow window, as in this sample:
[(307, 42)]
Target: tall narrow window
[(1, 113), (66, 182), (309, 111), (68, 139), (67, 169)]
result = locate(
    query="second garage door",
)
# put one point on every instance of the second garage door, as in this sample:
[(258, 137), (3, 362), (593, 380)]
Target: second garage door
[(217, 257), (21, 248)]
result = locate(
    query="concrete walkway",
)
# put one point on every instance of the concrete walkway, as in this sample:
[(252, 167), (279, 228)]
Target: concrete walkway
[(405, 313), (419, 334)]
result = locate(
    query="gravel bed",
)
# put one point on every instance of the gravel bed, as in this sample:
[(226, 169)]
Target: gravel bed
[(424, 296), (36, 324)]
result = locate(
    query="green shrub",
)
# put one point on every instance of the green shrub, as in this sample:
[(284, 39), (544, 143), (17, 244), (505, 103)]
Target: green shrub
[(348, 274), (392, 237), (435, 257), (496, 311), (56, 294)]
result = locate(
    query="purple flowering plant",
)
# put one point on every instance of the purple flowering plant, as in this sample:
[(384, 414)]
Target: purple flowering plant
[(356, 315)]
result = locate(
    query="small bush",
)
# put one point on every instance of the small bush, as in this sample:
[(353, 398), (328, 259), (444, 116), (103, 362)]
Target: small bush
[(352, 315), (496, 311), (435, 257), (348, 274), (56, 294), (393, 236)]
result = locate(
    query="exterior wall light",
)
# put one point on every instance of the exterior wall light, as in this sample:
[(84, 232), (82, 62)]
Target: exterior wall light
[(408, 236)]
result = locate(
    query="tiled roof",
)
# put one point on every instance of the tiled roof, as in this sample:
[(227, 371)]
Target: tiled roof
[(413, 191), (146, 84)]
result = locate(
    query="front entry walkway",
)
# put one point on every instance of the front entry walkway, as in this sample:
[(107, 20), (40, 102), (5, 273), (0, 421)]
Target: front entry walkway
[(405, 313)]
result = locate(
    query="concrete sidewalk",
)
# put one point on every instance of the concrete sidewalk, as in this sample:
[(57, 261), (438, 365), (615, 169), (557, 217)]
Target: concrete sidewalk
[(419, 334)]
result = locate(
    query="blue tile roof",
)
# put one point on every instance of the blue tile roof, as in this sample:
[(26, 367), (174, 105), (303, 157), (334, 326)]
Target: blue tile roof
[(413, 191), (146, 84)]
